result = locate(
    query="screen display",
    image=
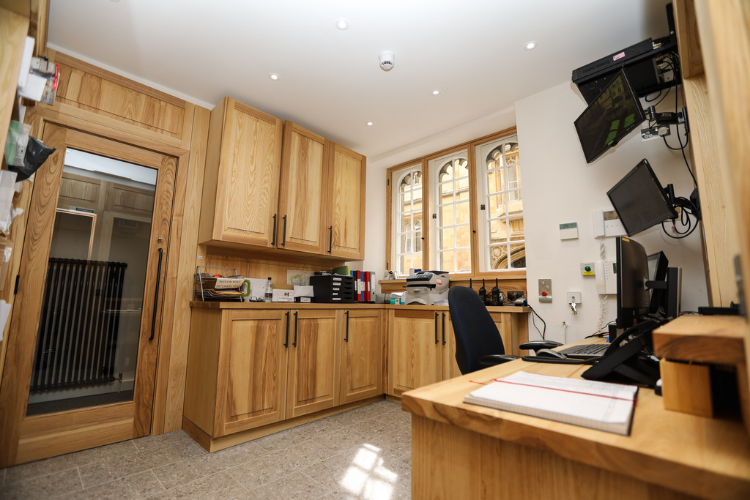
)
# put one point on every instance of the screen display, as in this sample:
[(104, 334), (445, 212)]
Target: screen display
[(639, 200), (609, 118)]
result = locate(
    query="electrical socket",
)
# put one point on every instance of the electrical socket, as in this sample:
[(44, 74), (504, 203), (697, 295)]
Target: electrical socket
[(545, 290)]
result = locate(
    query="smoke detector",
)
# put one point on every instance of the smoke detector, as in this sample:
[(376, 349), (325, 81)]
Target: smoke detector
[(386, 60)]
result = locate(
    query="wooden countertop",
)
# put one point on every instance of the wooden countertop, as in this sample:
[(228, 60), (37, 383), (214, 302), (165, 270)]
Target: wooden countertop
[(299, 305), (696, 455)]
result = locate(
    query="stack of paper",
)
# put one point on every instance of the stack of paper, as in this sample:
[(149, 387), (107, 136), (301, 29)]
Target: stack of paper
[(598, 405)]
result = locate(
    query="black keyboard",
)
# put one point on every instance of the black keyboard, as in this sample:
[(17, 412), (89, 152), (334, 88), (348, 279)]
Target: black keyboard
[(586, 351)]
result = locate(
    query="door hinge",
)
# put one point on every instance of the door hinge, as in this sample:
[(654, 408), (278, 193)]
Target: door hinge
[(387, 182), (434, 216), (15, 290), (481, 207)]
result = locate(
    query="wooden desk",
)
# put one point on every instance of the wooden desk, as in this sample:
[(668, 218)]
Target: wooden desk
[(468, 451)]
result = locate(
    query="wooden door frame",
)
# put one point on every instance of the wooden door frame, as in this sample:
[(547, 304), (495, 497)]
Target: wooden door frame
[(13, 398)]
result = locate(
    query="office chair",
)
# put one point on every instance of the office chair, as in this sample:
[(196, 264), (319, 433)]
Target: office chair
[(478, 342)]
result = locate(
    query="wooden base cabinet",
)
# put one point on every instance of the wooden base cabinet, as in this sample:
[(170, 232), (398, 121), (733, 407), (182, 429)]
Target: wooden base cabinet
[(450, 367), (415, 353), (361, 355)]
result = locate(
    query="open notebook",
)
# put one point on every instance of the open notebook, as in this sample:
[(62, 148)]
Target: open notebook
[(598, 405)]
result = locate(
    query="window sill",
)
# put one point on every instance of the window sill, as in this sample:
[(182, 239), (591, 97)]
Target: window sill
[(507, 275)]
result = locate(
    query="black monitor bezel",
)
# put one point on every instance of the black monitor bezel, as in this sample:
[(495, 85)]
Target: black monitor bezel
[(626, 316), (653, 222), (657, 294), (619, 137)]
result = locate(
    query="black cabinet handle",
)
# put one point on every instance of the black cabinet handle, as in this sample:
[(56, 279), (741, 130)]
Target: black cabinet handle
[(296, 317), (443, 328), (273, 242), (283, 242), (330, 240), (286, 343), (346, 339), (156, 295), (436, 328)]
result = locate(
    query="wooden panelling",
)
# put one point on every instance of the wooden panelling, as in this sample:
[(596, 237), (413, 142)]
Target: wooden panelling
[(87, 87), (313, 379), (252, 370), (414, 352), (346, 195), (80, 191), (203, 368), (13, 29), (361, 354), (130, 200), (688, 40), (302, 201), (686, 388)]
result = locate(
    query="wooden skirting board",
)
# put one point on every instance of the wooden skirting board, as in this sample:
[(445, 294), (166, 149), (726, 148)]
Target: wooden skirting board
[(215, 444)]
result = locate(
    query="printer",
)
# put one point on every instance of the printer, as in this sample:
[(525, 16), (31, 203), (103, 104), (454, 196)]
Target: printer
[(427, 287)]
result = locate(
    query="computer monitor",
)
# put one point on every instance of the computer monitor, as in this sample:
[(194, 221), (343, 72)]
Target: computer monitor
[(606, 121), (657, 271), (633, 298), (640, 200)]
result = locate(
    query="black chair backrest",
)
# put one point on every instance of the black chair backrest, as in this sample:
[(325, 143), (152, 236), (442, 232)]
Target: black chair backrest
[(476, 333)]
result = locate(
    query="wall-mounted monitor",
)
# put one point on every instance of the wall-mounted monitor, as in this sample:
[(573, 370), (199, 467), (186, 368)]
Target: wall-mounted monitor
[(614, 114)]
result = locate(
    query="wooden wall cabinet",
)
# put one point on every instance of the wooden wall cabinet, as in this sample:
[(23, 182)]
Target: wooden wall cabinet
[(313, 382), (241, 180), (361, 354), (302, 200), (346, 195)]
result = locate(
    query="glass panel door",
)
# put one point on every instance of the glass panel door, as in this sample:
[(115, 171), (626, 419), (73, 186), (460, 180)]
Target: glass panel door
[(90, 324)]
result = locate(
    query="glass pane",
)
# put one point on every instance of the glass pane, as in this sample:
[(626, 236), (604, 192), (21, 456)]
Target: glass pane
[(514, 176), (516, 228), (404, 263), (405, 223), (406, 241), (89, 330), (496, 181), (518, 255), (418, 241), (511, 152), (515, 203), (417, 199), (417, 261), (495, 158), (446, 261), (446, 193), (462, 185), (499, 257), (446, 173), (462, 195), (497, 205), (405, 182), (446, 216), (405, 202), (498, 231), (462, 212), (417, 179), (462, 167), (446, 238), (464, 260), (463, 236), (417, 221)]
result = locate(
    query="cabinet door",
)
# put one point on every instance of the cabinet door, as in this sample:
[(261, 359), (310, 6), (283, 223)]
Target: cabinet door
[(450, 367), (414, 350), (346, 198), (304, 172), (313, 362), (361, 354), (246, 169), (252, 370), (504, 327)]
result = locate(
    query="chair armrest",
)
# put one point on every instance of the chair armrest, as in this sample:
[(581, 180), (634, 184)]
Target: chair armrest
[(539, 344), (496, 359)]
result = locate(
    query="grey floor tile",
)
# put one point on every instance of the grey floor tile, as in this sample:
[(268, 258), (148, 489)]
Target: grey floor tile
[(282, 440), (262, 470), (296, 486), (219, 486), (302, 455), (179, 473), (142, 485), (50, 486)]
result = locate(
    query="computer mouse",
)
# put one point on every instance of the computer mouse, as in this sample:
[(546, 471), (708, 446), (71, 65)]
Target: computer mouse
[(549, 353)]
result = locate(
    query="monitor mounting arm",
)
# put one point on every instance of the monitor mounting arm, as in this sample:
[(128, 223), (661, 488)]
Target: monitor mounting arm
[(660, 122)]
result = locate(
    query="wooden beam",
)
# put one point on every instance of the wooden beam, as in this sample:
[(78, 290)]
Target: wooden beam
[(688, 39)]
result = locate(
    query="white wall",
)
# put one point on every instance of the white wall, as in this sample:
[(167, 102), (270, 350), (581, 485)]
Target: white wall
[(559, 186), (375, 212)]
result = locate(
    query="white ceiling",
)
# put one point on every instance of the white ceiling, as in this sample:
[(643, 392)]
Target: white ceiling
[(330, 79)]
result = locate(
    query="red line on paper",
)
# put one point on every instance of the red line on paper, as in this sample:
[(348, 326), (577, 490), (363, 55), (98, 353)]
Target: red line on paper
[(565, 390)]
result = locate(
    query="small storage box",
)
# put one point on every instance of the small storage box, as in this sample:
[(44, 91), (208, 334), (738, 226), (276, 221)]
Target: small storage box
[(332, 288)]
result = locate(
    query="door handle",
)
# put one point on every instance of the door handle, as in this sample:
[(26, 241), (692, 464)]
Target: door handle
[(273, 242), (443, 328), (330, 240), (346, 339), (296, 317), (286, 343), (283, 241), (156, 295), (436, 328)]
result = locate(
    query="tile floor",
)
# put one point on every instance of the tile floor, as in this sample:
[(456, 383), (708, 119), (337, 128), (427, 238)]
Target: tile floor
[(364, 453)]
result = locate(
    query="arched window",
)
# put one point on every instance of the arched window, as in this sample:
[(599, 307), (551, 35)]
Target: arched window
[(408, 220), (452, 247)]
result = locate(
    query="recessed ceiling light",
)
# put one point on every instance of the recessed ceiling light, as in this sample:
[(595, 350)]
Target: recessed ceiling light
[(274, 76), (530, 45), (369, 124), (342, 24), (435, 92)]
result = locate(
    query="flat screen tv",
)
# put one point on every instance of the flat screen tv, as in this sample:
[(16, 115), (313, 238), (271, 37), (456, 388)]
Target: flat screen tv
[(609, 118)]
